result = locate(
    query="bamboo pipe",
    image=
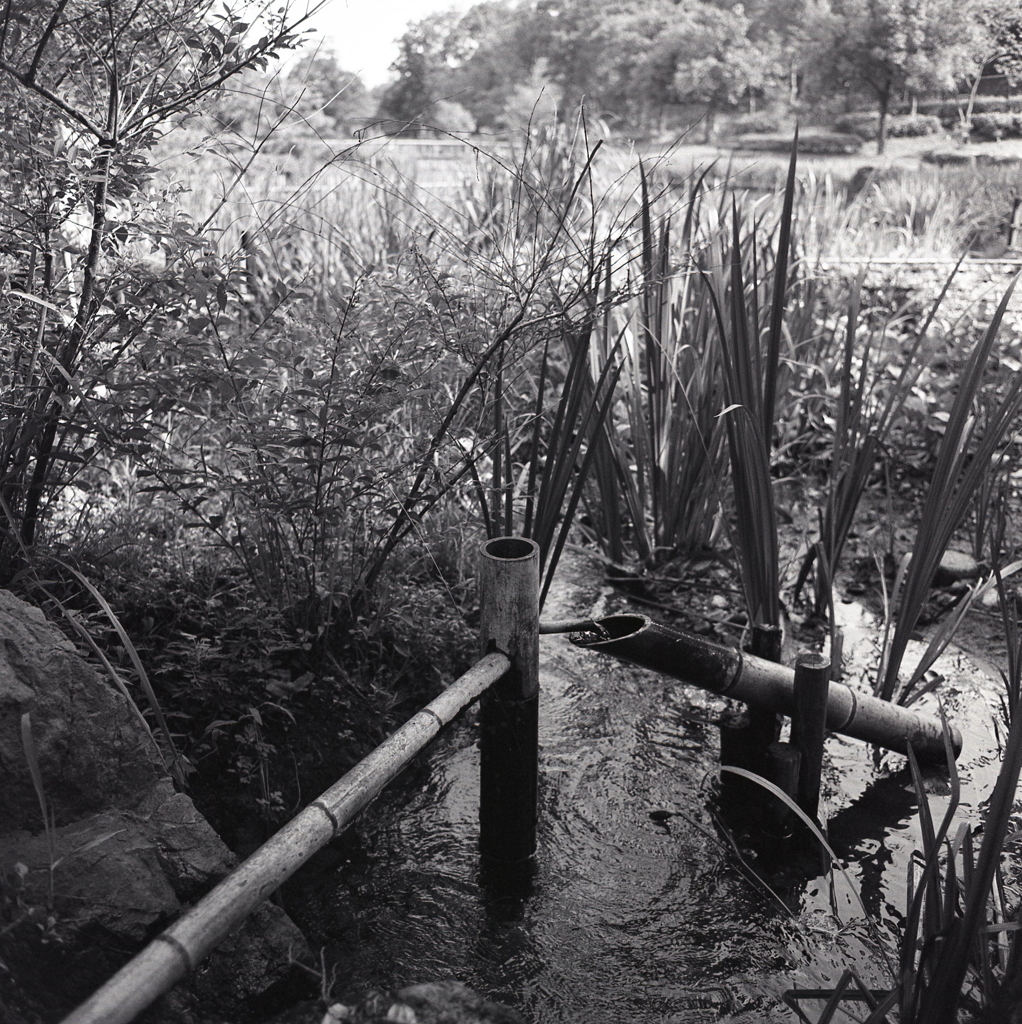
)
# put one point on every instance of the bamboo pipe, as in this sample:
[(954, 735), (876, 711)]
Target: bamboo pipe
[(509, 711), (178, 950), (763, 684)]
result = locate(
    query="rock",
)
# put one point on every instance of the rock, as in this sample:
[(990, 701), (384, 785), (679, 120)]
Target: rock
[(955, 566), (450, 1002), (434, 1002), (248, 962), (94, 753), (126, 852)]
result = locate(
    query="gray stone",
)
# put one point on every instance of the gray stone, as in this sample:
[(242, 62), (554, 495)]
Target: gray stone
[(433, 1002), (93, 751), (251, 959), (127, 853), (955, 566), (450, 1002)]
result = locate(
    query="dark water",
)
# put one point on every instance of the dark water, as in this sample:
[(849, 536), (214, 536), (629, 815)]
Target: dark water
[(630, 918)]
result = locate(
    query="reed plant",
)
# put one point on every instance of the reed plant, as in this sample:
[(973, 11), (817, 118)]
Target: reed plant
[(661, 462), (863, 415), (528, 499), (749, 302), (959, 950), (910, 214), (963, 461)]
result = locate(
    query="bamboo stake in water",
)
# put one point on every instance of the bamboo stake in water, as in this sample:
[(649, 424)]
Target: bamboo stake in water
[(783, 761), (764, 725), (509, 711), (170, 956), (809, 724)]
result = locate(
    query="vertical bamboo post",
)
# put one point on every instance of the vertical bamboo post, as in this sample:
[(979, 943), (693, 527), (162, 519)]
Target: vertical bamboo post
[(809, 724), (509, 710), (764, 726), (784, 761), (1015, 224), (734, 752)]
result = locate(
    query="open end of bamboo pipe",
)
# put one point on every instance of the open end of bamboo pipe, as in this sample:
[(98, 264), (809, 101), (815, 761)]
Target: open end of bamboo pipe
[(641, 641), (510, 548)]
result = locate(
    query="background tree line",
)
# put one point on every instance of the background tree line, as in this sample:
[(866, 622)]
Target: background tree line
[(649, 66)]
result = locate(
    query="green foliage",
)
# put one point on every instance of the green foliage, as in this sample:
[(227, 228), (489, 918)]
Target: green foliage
[(71, 234), (889, 46), (751, 323), (863, 414), (426, 51), (992, 127), (812, 141), (963, 462), (659, 465), (866, 125), (756, 124), (950, 111), (714, 61), (324, 92)]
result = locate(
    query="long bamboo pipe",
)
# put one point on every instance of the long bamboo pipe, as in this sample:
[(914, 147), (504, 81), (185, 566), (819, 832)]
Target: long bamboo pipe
[(762, 684), (178, 950)]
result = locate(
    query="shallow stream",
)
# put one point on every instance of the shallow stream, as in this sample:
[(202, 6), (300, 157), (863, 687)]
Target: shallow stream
[(631, 918)]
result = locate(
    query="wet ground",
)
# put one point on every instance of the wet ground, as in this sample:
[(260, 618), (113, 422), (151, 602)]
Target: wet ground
[(640, 909)]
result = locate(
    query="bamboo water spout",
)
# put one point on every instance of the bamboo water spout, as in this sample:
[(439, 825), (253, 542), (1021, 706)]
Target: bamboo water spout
[(762, 684)]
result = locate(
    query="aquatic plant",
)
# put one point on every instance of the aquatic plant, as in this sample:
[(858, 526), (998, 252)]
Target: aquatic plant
[(963, 461), (750, 359), (862, 424), (659, 464), (529, 501)]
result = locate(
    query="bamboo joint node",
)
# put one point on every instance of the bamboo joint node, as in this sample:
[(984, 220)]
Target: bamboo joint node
[(432, 714), (178, 948), (854, 709), (320, 806)]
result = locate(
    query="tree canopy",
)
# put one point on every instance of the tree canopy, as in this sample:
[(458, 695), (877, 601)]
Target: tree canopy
[(645, 65)]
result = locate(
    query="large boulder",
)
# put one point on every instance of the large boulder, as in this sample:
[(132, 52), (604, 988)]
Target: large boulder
[(124, 853), (94, 753)]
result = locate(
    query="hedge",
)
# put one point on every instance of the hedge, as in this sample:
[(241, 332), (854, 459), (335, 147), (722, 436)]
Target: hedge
[(756, 124), (949, 110), (866, 124), (991, 127), (810, 141)]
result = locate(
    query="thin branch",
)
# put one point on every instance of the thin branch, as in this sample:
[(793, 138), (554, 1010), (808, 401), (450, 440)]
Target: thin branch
[(44, 41), (50, 97)]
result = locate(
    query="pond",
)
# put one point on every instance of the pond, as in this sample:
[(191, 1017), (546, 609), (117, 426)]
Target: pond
[(640, 909)]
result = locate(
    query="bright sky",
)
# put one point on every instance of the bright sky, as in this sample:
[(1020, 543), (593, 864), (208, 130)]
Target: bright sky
[(363, 32)]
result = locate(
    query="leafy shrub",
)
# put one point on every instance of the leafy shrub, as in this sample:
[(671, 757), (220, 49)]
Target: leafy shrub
[(949, 111), (866, 124), (991, 127), (810, 141), (756, 124)]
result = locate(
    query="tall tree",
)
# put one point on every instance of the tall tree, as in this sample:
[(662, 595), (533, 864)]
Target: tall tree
[(427, 52), (320, 90), (1003, 20), (499, 48), (892, 46), (706, 56)]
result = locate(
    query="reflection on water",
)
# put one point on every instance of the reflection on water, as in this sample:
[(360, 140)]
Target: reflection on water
[(637, 910)]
